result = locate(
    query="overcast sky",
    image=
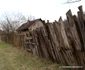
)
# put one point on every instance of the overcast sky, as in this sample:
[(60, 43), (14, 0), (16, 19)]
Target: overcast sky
[(45, 9)]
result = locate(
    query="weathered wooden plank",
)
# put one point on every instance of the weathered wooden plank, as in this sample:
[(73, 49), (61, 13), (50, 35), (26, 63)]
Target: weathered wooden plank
[(35, 40), (81, 16), (56, 26), (63, 34), (48, 44), (30, 43), (80, 31), (81, 25), (42, 45), (79, 55), (69, 58), (73, 31), (29, 38), (53, 35), (54, 41), (58, 32), (50, 48)]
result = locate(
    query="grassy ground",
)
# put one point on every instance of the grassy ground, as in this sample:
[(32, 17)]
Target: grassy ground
[(12, 58)]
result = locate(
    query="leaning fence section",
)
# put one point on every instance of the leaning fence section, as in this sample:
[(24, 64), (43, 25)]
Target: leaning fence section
[(63, 43)]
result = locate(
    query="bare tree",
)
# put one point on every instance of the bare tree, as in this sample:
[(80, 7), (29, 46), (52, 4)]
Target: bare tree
[(11, 22)]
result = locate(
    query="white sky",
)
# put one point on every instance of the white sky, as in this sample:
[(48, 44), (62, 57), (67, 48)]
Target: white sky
[(45, 9)]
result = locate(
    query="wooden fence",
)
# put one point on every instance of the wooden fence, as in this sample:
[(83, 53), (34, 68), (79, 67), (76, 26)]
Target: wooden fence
[(14, 39), (62, 43)]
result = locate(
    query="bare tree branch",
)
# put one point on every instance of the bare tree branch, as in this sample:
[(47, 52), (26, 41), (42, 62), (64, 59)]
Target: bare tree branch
[(12, 22)]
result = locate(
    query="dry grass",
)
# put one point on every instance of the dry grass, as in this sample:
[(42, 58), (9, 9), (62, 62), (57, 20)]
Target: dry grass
[(12, 58)]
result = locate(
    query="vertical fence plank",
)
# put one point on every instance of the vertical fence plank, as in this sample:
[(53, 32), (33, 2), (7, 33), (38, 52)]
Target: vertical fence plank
[(73, 31)]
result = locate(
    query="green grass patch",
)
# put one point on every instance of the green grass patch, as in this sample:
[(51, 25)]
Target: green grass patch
[(4, 45), (12, 58)]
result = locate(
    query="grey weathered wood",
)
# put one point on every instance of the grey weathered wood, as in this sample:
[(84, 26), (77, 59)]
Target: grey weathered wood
[(69, 58), (35, 40), (48, 44), (54, 42), (63, 34), (80, 31), (74, 34), (58, 32), (81, 25), (42, 45), (30, 43)]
